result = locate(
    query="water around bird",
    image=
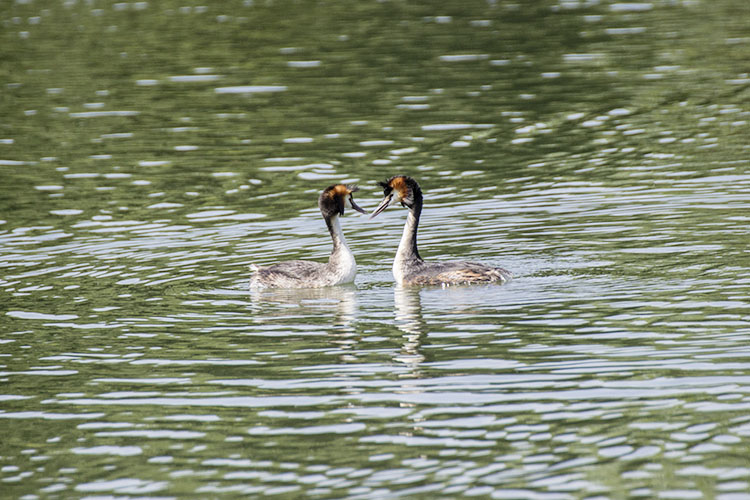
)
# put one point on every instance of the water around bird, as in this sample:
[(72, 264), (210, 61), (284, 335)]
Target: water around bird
[(151, 151)]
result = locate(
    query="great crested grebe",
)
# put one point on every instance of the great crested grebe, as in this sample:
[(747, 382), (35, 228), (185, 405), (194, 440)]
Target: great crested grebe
[(340, 268), (408, 266)]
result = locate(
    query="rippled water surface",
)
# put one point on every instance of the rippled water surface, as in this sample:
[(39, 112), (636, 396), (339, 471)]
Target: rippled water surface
[(151, 151)]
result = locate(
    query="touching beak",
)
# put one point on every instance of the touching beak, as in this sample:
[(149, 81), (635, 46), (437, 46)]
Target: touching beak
[(383, 205), (357, 207)]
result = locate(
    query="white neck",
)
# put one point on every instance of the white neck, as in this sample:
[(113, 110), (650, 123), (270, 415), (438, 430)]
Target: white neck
[(341, 263), (407, 251)]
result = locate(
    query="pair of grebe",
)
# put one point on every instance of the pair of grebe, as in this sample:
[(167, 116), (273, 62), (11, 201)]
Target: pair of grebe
[(408, 266)]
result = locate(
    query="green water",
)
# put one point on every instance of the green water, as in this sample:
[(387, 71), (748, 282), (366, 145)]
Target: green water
[(151, 151)]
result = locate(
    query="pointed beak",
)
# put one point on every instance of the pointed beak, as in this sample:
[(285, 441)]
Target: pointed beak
[(356, 207), (383, 205)]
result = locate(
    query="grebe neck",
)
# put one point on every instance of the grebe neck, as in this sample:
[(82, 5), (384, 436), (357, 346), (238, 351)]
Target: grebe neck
[(407, 247), (337, 235), (407, 255), (341, 264)]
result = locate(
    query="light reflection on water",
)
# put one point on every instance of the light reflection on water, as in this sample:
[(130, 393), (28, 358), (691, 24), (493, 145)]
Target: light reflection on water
[(596, 149)]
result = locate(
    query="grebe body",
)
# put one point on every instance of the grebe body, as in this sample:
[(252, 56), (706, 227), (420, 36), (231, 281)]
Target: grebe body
[(341, 266), (408, 267)]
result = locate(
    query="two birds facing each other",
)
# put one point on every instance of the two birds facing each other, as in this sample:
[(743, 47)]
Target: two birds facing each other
[(408, 267)]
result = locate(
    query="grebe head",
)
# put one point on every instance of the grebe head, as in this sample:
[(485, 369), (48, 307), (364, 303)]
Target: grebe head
[(335, 198), (400, 188)]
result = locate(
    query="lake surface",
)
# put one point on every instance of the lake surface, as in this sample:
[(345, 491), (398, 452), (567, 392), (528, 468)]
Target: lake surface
[(151, 151)]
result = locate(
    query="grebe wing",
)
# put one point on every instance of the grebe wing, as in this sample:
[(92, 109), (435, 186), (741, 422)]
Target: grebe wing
[(458, 272), (289, 271)]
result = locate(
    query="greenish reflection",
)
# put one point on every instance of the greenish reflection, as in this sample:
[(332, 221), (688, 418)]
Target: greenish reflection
[(150, 151)]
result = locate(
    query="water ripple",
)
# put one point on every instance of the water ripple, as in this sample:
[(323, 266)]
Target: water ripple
[(600, 155)]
